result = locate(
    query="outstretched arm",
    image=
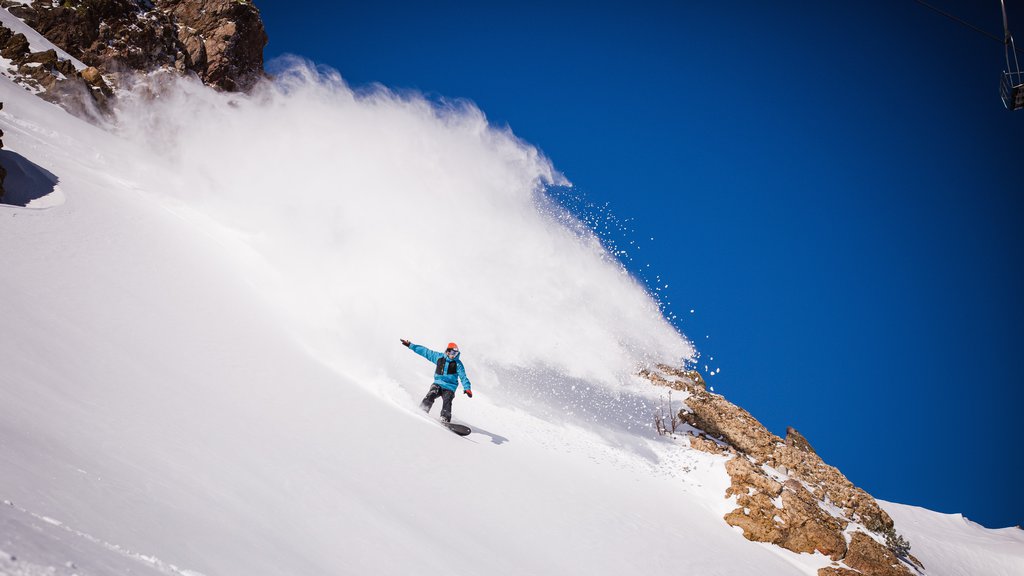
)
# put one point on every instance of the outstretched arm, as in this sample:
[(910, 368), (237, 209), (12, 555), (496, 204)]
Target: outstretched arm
[(423, 351)]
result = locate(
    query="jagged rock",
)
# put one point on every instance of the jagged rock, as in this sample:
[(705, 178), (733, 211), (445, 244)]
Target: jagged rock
[(837, 571), (92, 75), (796, 440), (807, 526), (801, 523), (15, 48), (220, 40), (830, 483), (873, 559), (794, 521), (224, 39), (746, 477), (48, 59), (757, 517), (722, 419), (110, 34), (705, 444), (67, 68)]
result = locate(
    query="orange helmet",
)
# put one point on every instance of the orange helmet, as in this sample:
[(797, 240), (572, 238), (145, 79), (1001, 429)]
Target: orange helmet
[(453, 346)]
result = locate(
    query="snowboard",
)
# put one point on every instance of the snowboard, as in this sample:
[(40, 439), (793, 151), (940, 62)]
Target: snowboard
[(457, 428)]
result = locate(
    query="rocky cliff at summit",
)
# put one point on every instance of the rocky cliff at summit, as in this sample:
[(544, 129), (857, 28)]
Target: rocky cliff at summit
[(220, 41)]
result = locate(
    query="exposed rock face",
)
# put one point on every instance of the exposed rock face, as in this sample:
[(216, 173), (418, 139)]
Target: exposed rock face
[(787, 514), (786, 494), (112, 35), (53, 78), (871, 558), (837, 571), (15, 46), (224, 39), (219, 40)]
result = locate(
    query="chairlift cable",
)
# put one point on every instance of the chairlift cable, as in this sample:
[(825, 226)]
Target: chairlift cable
[(959, 20)]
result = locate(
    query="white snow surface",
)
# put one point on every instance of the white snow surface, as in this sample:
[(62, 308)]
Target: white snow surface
[(951, 545), (202, 374)]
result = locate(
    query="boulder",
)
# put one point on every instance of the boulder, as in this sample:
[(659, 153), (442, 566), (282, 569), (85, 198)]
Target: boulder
[(92, 75), (15, 48), (48, 59)]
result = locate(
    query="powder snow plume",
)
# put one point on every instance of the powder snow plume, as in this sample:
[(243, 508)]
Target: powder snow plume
[(369, 216)]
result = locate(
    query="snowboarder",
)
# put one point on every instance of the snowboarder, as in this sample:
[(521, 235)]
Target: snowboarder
[(447, 374)]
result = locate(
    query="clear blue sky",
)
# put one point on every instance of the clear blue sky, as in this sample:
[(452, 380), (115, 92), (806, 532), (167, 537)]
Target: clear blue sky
[(833, 187)]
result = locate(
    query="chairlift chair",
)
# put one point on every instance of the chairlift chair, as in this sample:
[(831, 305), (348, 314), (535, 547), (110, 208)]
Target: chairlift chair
[(1011, 86)]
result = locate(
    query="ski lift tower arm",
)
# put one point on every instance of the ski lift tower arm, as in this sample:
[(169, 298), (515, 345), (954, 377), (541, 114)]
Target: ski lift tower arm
[(1011, 86)]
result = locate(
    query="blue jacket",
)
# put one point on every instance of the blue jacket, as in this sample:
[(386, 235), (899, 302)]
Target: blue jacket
[(444, 379)]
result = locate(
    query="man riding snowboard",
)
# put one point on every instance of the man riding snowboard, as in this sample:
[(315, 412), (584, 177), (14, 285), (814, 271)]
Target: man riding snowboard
[(449, 370)]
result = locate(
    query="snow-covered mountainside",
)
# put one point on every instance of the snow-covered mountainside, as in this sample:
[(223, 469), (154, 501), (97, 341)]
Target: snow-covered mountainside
[(200, 314)]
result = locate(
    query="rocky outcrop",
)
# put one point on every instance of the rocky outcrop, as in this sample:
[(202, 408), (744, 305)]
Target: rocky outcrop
[(837, 571), (785, 493), (871, 558), (785, 514), (53, 78), (221, 41), (224, 39)]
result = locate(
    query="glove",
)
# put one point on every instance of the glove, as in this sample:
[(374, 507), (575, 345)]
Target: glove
[(468, 393), (405, 343)]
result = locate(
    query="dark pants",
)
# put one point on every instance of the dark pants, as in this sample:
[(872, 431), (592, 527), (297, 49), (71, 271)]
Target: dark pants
[(446, 401)]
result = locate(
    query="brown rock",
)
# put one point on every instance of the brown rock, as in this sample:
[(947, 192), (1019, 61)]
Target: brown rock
[(805, 525), (808, 527), (837, 571), (220, 40), (757, 517), (15, 48), (796, 440), (705, 444), (722, 419), (47, 58), (109, 33), (92, 75), (224, 39), (745, 476), (67, 68), (873, 559)]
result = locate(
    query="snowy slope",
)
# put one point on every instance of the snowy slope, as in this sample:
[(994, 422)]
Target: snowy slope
[(951, 545), (202, 374), (151, 398)]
